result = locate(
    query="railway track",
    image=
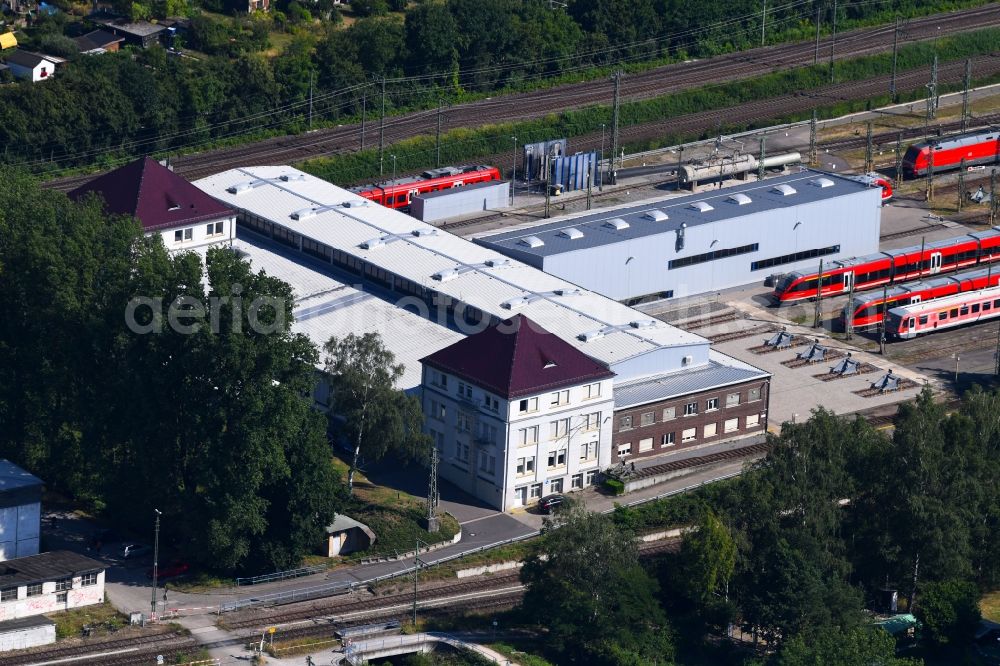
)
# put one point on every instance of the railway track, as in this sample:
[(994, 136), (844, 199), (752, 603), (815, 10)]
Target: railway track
[(535, 104), (141, 647), (890, 138)]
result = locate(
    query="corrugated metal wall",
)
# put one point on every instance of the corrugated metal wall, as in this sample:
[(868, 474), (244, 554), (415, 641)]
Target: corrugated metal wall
[(572, 171)]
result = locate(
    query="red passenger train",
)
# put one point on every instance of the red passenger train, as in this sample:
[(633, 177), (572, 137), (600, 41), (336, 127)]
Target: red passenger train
[(892, 266), (397, 193), (874, 179), (976, 148), (867, 309), (913, 320)]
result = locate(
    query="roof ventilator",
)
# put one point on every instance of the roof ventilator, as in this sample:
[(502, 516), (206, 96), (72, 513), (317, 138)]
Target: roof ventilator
[(616, 223), (702, 206), (531, 297), (784, 190), (571, 233), (656, 216), (642, 323), (821, 182), (306, 213), (532, 241), (740, 199), (452, 273), (248, 185)]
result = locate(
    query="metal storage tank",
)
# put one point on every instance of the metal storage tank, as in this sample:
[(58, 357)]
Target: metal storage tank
[(457, 201)]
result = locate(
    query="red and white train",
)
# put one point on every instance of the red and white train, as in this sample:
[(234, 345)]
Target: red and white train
[(868, 309), (892, 266), (912, 320), (976, 148), (874, 179), (397, 193)]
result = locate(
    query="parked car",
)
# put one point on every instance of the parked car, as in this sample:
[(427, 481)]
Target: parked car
[(172, 570), (549, 503), (133, 550)]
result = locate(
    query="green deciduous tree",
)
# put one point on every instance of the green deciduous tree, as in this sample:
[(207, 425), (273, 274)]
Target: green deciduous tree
[(586, 586), (949, 612), (708, 559), (374, 416), (832, 646)]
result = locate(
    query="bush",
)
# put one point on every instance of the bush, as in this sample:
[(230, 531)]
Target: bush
[(949, 612), (615, 486)]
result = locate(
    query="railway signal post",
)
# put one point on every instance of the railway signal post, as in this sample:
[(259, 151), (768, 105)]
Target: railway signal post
[(895, 47), (614, 129), (930, 174), (966, 111), (869, 159), (993, 197), (849, 320), (898, 175), (961, 185), (813, 157), (818, 314), (381, 134), (881, 324)]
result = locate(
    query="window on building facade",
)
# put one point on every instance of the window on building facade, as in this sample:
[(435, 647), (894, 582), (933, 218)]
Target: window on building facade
[(588, 451), (669, 413), (576, 481), (528, 436), (646, 419), (560, 457), (691, 409), (667, 439), (689, 434), (62, 597), (438, 410), (753, 394), (488, 433), (64, 584), (645, 444), (492, 404), (558, 428), (214, 229), (528, 405), (753, 421), (556, 485), (464, 390), (526, 465), (592, 391), (463, 421), (559, 398), (624, 449), (178, 236), (711, 429), (8, 594), (732, 399), (590, 478), (536, 491), (711, 404), (88, 579), (624, 423), (188, 234), (592, 421), (35, 589), (731, 425)]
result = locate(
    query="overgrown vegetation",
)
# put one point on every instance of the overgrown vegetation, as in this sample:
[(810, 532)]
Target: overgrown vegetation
[(101, 618), (101, 110)]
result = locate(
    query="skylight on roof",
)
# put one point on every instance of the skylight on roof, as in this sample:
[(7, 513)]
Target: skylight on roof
[(616, 223), (784, 190), (549, 364), (571, 233), (445, 275), (701, 206), (740, 199), (656, 216), (821, 182), (532, 241)]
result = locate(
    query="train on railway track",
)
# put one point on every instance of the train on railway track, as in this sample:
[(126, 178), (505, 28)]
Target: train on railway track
[(976, 148), (909, 321), (398, 193), (867, 310), (891, 267), (874, 179)]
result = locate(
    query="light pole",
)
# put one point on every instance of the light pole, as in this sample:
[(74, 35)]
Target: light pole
[(156, 557), (957, 359), (393, 167), (600, 165), (513, 170)]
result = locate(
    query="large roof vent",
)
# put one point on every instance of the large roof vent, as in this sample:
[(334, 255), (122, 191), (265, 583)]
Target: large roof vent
[(616, 223), (571, 233), (446, 274), (701, 206), (642, 323), (656, 216), (532, 241), (784, 190), (740, 199), (821, 182)]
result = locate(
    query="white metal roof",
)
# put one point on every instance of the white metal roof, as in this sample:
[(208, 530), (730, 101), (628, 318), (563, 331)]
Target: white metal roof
[(326, 306), (344, 221)]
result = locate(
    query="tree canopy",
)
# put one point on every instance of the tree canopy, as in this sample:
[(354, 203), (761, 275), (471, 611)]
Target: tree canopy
[(106, 399)]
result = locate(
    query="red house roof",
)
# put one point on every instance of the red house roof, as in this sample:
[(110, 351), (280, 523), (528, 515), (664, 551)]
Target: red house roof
[(517, 358), (153, 194)]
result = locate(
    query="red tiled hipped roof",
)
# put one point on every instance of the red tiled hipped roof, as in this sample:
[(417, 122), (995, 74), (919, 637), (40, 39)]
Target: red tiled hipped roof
[(517, 358), (153, 194)]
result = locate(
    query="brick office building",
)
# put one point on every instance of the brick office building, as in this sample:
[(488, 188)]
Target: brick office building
[(661, 414)]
